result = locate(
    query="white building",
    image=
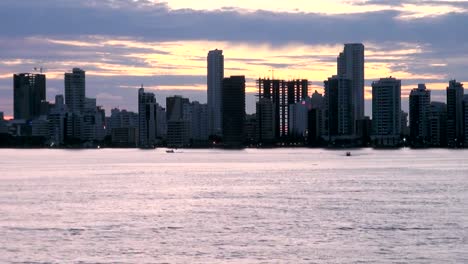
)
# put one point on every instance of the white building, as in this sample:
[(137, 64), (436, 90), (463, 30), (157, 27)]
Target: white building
[(386, 112), (215, 84)]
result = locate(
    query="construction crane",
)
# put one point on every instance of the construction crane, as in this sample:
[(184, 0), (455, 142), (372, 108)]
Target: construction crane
[(39, 69)]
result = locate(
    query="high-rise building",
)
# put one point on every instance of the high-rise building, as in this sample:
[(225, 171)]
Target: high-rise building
[(197, 114), (75, 90), (454, 114), (351, 66), (266, 118), (175, 107), (465, 120), (161, 122), (147, 109), (339, 120), (215, 76), (233, 111), (419, 111), (57, 120), (282, 94), (29, 91), (123, 127), (386, 112), (438, 124)]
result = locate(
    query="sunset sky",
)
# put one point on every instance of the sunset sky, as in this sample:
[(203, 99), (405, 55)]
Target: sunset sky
[(163, 45)]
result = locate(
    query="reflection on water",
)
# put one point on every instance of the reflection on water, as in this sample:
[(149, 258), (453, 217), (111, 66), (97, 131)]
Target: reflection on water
[(251, 206)]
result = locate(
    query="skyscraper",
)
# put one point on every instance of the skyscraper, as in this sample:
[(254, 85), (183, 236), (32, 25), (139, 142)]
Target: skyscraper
[(215, 84), (420, 108), (75, 90), (465, 120), (454, 113), (233, 111), (147, 109), (338, 107), (386, 112), (29, 90), (351, 66), (438, 124)]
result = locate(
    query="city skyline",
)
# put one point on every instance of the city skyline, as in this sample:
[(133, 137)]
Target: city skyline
[(118, 59)]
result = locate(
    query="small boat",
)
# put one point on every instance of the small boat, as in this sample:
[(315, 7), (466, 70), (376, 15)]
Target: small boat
[(170, 151), (348, 154)]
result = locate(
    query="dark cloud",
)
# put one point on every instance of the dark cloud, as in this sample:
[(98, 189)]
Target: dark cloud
[(159, 23)]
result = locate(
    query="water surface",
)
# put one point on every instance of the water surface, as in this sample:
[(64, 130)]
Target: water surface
[(251, 206)]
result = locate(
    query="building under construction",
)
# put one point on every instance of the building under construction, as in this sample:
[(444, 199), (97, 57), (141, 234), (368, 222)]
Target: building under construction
[(282, 94)]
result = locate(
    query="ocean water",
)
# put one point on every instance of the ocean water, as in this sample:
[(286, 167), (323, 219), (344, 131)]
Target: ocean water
[(250, 206)]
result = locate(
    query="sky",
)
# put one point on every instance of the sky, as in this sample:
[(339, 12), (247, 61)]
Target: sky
[(122, 44)]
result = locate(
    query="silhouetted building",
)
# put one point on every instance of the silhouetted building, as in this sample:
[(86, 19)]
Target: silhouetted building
[(178, 133), (405, 130), (438, 124), (419, 111), (57, 121), (299, 119), (454, 114), (282, 94), (123, 127), (197, 114), (178, 115), (251, 129), (75, 90), (161, 123), (465, 120), (175, 107), (3, 126), (339, 122), (351, 66), (233, 111), (215, 76), (147, 109), (386, 112), (266, 121), (29, 90)]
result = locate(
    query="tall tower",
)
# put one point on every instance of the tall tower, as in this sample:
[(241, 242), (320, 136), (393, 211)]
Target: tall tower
[(386, 111), (338, 114), (215, 84), (420, 108), (75, 90), (351, 66), (454, 113), (233, 111), (29, 90), (147, 109)]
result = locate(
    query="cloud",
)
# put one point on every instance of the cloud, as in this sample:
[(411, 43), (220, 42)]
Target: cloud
[(124, 43)]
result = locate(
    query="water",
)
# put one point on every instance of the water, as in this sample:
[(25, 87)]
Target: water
[(252, 206)]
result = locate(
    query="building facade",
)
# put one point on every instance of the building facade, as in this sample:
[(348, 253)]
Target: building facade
[(29, 91), (215, 77), (147, 108), (75, 90), (455, 114), (233, 111), (350, 65), (419, 111), (339, 120), (386, 112)]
